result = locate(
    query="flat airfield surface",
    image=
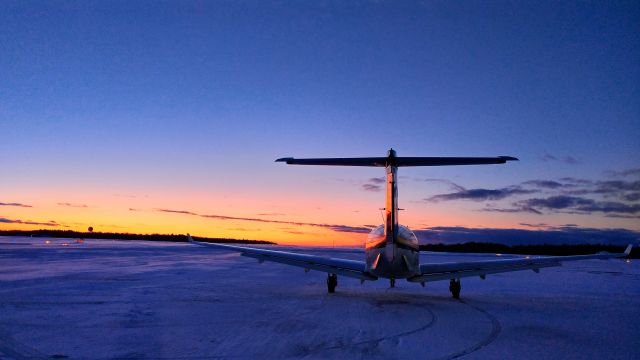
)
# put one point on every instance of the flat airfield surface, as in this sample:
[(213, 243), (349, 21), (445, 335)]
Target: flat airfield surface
[(105, 299)]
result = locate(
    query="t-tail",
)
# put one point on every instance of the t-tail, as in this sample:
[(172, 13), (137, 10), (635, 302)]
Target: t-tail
[(391, 163)]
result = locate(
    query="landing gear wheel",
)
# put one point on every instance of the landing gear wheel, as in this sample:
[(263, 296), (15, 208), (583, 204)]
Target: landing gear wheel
[(332, 282), (392, 282), (454, 287)]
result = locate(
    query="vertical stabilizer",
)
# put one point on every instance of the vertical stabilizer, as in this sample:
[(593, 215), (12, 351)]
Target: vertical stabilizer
[(391, 208)]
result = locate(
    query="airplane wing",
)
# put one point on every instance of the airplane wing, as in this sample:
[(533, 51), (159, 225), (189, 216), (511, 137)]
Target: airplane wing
[(446, 271), (344, 267)]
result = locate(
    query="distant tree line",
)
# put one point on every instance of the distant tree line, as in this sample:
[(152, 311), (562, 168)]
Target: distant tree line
[(469, 247), (544, 249), (123, 236)]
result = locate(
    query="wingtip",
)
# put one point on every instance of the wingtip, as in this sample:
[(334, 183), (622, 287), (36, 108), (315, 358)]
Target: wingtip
[(284, 159), (509, 158)]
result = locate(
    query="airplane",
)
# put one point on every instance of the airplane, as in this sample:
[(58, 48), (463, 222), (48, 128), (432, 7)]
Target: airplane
[(391, 249)]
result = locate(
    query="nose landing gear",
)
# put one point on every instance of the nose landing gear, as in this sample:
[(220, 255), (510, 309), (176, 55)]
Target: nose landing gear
[(454, 287), (332, 282)]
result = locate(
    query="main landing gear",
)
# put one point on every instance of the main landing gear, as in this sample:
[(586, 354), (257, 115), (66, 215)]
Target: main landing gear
[(332, 282), (454, 287)]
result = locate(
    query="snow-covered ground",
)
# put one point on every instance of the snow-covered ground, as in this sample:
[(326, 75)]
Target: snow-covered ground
[(135, 299)]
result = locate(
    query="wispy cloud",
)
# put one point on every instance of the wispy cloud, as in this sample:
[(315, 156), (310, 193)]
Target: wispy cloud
[(559, 235), (28, 222), (623, 216), (545, 184), (568, 204), (564, 159), (449, 183), (570, 160), (481, 194), (590, 206), (242, 229), (15, 204), (623, 173), (374, 184), (371, 187), (72, 205), (538, 225), (616, 186), (556, 202), (519, 209), (576, 181), (177, 212), (334, 227), (612, 198)]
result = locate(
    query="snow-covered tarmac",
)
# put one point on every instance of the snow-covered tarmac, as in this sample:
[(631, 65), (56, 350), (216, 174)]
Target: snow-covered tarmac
[(134, 299)]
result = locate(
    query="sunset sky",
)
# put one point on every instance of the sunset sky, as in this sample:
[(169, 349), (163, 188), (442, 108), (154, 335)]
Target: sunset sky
[(166, 117)]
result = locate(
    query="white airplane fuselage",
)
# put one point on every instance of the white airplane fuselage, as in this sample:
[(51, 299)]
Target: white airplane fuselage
[(397, 259), (392, 249)]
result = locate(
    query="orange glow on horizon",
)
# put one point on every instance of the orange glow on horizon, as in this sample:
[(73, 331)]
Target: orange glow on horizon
[(255, 215)]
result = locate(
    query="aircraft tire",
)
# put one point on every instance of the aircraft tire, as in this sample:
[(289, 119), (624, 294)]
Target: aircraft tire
[(455, 287), (332, 282)]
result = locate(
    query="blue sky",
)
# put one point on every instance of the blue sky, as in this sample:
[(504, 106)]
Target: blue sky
[(156, 97)]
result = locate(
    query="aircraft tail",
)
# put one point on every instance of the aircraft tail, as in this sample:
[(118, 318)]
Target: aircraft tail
[(391, 162)]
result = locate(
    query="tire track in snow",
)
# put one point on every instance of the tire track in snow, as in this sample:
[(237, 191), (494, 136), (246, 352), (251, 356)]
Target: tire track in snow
[(496, 328), (376, 341)]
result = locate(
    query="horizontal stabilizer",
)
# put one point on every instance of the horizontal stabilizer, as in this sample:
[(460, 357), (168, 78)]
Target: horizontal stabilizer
[(399, 161), (441, 161), (369, 161)]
